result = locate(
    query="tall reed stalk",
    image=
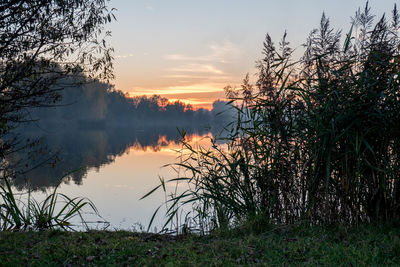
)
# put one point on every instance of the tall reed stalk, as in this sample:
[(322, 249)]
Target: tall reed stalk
[(316, 139)]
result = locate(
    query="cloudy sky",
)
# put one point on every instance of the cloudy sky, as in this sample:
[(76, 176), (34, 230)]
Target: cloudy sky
[(192, 49)]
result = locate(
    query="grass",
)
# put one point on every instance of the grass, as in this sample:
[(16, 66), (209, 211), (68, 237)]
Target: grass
[(286, 245), (315, 139), (55, 212)]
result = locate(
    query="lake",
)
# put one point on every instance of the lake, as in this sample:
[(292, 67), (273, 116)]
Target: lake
[(114, 168)]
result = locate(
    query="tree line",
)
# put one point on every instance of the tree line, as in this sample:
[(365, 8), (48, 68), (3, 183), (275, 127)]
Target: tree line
[(97, 104)]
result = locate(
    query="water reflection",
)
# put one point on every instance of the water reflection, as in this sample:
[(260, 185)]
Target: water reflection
[(79, 151)]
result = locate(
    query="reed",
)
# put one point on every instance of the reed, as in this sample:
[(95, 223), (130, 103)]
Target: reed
[(315, 138), (55, 212)]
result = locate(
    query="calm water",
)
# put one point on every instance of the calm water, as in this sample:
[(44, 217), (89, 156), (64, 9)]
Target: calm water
[(114, 168)]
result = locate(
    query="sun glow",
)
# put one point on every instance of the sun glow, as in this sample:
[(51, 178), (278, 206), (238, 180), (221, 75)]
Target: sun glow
[(200, 96)]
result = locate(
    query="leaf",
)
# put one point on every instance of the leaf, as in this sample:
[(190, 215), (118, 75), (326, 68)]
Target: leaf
[(151, 191)]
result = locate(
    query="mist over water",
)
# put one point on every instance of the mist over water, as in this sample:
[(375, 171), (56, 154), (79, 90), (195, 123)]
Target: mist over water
[(101, 144), (114, 167), (58, 153)]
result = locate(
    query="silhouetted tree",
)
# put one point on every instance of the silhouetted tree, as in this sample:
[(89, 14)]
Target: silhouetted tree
[(42, 44)]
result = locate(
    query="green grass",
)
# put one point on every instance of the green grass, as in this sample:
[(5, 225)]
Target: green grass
[(280, 246), (22, 214)]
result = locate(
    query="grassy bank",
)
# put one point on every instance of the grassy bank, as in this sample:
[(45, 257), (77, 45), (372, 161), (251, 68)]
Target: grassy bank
[(365, 245)]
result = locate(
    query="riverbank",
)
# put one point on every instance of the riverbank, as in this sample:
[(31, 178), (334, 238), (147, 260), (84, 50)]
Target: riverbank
[(293, 245)]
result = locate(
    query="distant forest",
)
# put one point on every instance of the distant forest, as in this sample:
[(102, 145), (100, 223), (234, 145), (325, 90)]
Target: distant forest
[(91, 123), (98, 105)]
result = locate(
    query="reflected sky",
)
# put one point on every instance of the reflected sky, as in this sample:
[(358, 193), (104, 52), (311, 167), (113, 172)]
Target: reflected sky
[(116, 188), (116, 172), (61, 152)]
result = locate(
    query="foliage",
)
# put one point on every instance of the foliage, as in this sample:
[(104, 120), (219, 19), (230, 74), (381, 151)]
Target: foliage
[(315, 139), (21, 215), (43, 43), (46, 46)]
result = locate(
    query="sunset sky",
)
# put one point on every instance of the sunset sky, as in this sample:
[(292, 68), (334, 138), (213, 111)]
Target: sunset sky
[(190, 50)]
